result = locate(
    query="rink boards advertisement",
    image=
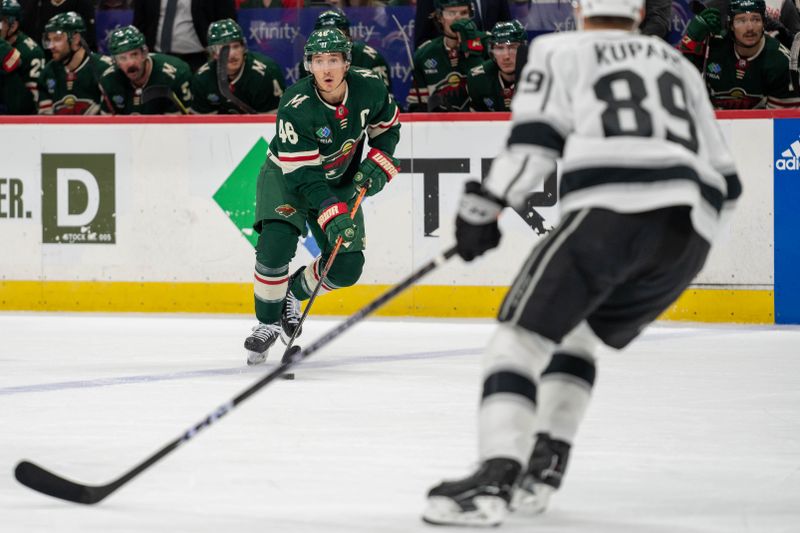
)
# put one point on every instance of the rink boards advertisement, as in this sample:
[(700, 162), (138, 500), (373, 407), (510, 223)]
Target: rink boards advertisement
[(155, 214)]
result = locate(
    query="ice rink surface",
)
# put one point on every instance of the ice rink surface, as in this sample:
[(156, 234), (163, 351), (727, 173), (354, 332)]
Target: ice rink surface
[(693, 429)]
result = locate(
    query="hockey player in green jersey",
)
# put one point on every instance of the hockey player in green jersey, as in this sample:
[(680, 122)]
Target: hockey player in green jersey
[(253, 78), (491, 85), (364, 56), (70, 82), (311, 176), (744, 68), (441, 65), (22, 63), (138, 72)]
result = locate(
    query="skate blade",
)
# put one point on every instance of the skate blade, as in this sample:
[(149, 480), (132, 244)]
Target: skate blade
[(535, 501), (256, 358), (490, 511)]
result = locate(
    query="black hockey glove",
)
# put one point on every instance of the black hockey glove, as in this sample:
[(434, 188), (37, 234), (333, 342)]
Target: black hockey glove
[(476, 223)]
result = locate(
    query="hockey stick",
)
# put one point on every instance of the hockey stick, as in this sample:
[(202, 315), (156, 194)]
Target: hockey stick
[(46, 482), (287, 352), (156, 92), (407, 43), (697, 7), (224, 85)]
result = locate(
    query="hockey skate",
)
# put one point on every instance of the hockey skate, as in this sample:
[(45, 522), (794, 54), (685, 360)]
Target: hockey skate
[(260, 341), (543, 477), (481, 499)]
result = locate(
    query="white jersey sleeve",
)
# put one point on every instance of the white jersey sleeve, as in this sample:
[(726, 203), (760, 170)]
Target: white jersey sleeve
[(541, 121), (631, 122)]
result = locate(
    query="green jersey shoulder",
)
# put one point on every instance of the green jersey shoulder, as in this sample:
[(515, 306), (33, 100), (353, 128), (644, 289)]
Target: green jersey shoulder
[(440, 77), (746, 83), (259, 84), (365, 56), (166, 71), (22, 65), (487, 92), (76, 92)]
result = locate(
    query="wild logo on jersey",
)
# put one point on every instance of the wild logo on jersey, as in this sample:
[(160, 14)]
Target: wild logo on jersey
[(736, 98), (335, 163), (452, 89), (70, 105)]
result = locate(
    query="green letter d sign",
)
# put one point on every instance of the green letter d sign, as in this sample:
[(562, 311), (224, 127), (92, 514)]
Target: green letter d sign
[(78, 199)]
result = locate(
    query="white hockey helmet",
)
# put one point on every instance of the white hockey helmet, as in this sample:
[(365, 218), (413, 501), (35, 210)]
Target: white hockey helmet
[(631, 9)]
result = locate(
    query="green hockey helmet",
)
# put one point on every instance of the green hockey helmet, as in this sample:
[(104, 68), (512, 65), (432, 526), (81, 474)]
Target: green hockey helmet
[(508, 32), (69, 23), (737, 7), (224, 32), (333, 18), (441, 4), (326, 41), (11, 10), (125, 39)]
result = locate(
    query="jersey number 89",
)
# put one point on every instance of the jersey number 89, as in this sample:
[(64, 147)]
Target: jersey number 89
[(669, 86)]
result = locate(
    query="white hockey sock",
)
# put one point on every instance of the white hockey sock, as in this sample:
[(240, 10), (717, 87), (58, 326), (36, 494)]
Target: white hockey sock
[(566, 385), (311, 278), (269, 284), (512, 362)]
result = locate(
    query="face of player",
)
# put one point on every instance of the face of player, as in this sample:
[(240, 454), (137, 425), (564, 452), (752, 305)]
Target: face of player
[(505, 55), (328, 70), (449, 16), (58, 44), (748, 28), (132, 63), (7, 28), (235, 58)]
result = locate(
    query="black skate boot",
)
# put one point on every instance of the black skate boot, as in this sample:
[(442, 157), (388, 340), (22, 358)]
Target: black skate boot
[(290, 314), (260, 341), (481, 499), (546, 469)]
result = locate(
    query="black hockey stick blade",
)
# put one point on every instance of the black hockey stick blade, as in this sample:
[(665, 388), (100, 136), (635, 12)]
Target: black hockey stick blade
[(37, 478), (41, 480), (224, 85), (156, 92)]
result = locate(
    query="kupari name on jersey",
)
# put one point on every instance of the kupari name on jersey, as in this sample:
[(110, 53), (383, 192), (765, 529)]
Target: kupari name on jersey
[(610, 53)]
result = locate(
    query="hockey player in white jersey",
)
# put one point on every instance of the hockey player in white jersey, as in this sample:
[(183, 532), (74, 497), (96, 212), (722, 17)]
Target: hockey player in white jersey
[(646, 178)]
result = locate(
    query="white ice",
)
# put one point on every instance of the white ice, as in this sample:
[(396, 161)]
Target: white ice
[(693, 429)]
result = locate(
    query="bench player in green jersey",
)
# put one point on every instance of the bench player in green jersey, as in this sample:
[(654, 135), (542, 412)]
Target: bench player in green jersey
[(364, 56), (441, 65), (744, 68), (491, 85), (253, 78), (21, 63), (70, 82), (311, 176), (136, 72)]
